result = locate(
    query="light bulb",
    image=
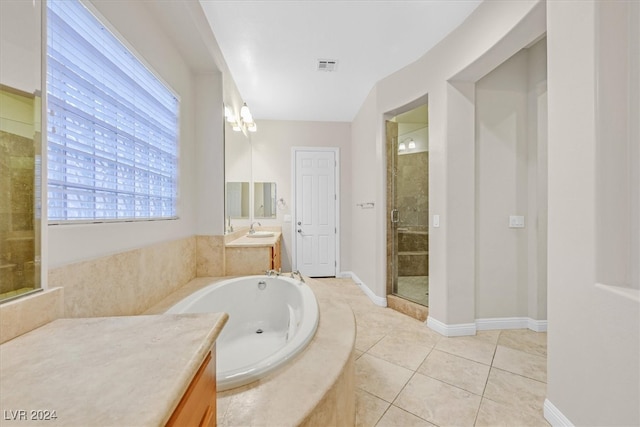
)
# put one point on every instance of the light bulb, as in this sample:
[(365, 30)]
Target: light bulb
[(412, 145), (402, 147), (246, 114)]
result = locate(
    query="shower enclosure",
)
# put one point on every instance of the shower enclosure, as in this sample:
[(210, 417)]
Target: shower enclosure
[(408, 204)]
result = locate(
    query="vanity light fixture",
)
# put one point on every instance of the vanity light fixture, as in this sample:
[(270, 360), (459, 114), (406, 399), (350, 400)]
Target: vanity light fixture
[(402, 146), (244, 123), (412, 144)]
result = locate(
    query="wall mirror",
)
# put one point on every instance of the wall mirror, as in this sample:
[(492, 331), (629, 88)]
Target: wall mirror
[(237, 200), (20, 146), (264, 199), (237, 172)]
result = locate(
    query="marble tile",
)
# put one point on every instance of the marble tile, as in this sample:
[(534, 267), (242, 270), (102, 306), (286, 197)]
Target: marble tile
[(381, 378), (410, 308), (369, 409), (525, 340), (246, 261), (519, 362), (458, 371), (493, 414), (478, 349), (515, 391), (395, 417), (30, 312), (437, 402), (401, 349), (210, 256), (126, 283), (366, 339)]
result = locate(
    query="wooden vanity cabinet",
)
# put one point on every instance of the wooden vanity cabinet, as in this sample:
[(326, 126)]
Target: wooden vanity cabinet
[(276, 262), (198, 404)]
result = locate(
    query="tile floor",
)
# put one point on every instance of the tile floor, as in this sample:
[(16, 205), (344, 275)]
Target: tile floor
[(408, 375)]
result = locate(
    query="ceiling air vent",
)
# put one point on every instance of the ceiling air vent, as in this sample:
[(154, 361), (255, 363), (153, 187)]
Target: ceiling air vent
[(327, 64)]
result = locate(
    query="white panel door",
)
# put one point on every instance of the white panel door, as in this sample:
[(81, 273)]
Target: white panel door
[(315, 216)]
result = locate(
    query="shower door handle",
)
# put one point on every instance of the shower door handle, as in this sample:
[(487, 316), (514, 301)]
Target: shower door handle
[(395, 216)]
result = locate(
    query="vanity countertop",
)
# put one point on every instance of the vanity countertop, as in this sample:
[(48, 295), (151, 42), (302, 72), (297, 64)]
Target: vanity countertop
[(249, 242), (109, 371)]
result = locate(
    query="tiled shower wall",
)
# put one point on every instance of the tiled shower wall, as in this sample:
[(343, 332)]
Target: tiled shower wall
[(412, 186), (17, 166)]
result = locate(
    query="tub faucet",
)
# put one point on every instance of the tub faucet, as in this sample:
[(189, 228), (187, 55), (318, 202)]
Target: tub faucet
[(269, 273), (251, 229), (293, 274)]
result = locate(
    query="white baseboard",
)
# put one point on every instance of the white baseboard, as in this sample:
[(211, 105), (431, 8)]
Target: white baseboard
[(554, 416), (382, 302), (457, 330), (511, 323), (538, 325)]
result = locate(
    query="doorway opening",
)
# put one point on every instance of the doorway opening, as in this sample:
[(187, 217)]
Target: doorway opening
[(408, 205)]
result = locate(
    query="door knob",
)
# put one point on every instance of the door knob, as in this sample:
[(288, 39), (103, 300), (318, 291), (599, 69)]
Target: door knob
[(299, 230), (299, 222)]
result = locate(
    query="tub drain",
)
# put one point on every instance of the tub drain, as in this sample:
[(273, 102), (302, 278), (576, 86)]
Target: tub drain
[(259, 331)]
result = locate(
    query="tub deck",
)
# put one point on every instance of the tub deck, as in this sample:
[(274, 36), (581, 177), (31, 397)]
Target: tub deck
[(284, 397)]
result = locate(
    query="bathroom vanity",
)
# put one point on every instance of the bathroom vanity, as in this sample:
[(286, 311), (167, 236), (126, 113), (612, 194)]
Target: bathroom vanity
[(253, 255), (127, 370)]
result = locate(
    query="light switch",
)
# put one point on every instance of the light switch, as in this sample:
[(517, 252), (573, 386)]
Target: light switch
[(436, 221), (516, 221)]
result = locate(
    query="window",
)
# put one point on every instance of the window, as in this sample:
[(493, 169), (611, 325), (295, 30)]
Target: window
[(112, 125)]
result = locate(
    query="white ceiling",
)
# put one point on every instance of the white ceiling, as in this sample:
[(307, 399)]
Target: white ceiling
[(272, 48)]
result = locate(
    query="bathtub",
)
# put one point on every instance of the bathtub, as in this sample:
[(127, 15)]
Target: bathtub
[(271, 319)]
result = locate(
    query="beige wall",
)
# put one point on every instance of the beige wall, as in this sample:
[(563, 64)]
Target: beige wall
[(199, 86), (594, 321), (271, 162), (511, 180), (447, 74)]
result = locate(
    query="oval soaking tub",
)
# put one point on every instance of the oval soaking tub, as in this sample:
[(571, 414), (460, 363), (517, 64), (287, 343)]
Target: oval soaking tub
[(271, 319)]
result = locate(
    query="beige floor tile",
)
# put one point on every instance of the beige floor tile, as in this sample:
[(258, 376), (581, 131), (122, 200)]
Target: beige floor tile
[(493, 414), (380, 378), (395, 417), (515, 390), (488, 336), (455, 370), (366, 339), (525, 340), (369, 409), (519, 362), (401, 350), (473, 348), (437, 402)]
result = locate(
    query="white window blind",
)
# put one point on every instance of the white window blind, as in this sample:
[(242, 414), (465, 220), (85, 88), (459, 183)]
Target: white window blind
[(112, 125)]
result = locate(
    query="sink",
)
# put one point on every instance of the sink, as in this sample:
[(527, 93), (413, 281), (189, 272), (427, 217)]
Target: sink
[(258, 234)]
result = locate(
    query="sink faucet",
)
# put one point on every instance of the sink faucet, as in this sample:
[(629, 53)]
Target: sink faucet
[(251, 230)]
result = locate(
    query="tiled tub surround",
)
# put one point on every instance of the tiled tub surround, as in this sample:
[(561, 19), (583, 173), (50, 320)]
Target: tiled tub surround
[(316, 388), (119, 371), (30, 312), (126, 283)]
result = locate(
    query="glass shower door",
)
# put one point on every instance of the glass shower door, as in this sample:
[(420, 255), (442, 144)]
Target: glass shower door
[(408, 207)]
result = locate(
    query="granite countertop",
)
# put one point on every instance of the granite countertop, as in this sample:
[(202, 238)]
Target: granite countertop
[(110, 371), (249, 242)]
